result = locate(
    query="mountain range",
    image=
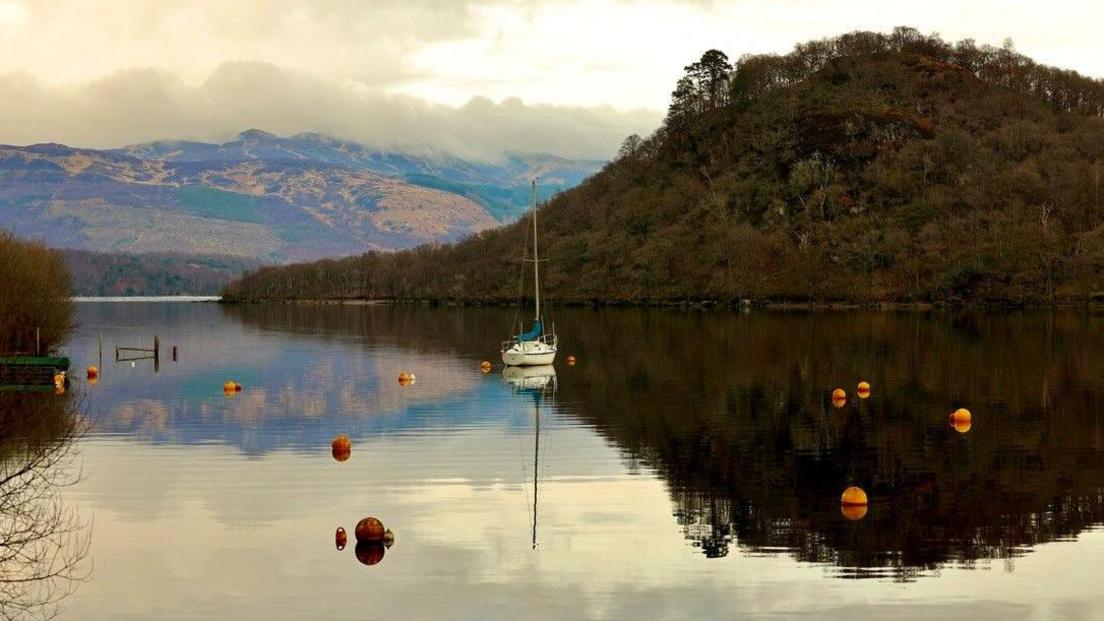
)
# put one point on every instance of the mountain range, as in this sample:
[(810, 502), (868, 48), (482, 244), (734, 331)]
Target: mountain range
[(264, 197)]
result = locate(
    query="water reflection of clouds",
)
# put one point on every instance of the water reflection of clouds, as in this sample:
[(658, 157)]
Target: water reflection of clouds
[(263, 547)]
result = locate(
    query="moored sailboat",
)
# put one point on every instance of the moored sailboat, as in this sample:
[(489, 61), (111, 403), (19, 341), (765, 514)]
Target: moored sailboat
[(536, 346)]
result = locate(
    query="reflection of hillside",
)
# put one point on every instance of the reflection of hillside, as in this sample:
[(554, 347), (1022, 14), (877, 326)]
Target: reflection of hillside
[(43, 543), (734, 414)]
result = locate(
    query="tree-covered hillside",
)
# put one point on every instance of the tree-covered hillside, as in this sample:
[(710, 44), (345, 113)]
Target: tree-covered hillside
[(868, 167)]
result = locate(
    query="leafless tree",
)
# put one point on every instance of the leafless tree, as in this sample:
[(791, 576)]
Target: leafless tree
[(43, 541)]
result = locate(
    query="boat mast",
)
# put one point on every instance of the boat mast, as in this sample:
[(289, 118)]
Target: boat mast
[(536, 259)]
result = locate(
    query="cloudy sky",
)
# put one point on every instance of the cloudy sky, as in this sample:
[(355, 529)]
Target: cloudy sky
[(469, 76)]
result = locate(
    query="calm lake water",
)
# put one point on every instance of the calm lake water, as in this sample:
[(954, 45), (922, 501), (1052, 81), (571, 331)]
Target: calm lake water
[(690, 465)]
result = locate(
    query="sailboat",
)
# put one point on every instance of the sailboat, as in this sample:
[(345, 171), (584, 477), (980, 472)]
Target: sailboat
[(535, 347)]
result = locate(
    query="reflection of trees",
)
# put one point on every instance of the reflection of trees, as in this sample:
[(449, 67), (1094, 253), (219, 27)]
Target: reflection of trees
[(734, 414), (43, 542), (732, 410)]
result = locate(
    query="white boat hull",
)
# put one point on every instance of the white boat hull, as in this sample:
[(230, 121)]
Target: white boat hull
[(528, 354)]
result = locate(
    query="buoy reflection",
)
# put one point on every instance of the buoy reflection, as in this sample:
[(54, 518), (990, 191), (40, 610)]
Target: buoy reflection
[(370, 552)]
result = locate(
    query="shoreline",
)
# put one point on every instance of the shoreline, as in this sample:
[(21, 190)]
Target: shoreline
[(777, 305), (145, 298)]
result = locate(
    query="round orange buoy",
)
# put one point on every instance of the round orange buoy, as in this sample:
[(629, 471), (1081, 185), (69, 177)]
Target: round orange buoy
[(404, 378), (485, 366), (388, 538), (853, 496), (571, 361), (369, 552), (369, 529), (839, 402), (839, 393), (853, 512), (863, 390), (341, 538), (341, 448), (93, 372), (229, 386), (961, 420)]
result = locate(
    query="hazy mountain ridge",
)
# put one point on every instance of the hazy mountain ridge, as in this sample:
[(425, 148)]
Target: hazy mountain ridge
[(258, 196)]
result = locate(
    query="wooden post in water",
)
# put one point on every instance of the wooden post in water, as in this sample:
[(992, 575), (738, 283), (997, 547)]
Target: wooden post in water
[(38, 349), (99, 359), (156, 354), (174, 353)]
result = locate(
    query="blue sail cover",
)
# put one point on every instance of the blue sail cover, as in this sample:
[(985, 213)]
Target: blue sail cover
[(533, 333)]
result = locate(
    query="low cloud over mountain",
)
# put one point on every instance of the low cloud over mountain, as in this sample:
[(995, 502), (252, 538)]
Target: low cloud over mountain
[(148, 104)]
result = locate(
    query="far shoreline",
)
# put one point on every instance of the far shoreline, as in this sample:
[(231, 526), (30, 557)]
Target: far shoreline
[(146, 298), (776, 305)]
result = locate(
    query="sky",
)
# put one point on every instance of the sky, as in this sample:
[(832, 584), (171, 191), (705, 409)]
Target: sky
[(473, 77)]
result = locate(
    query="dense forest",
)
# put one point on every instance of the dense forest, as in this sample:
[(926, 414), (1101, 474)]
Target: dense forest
[(113, 274), (36, 314), (864, 168)]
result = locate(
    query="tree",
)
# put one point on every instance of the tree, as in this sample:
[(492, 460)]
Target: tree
[(629, 147)]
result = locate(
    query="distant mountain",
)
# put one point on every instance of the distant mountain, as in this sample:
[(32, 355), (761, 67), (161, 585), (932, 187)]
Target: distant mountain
[(262, 196)]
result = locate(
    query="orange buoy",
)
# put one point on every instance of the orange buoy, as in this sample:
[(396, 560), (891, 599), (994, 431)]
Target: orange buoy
[(92, 381), (571, 361), (839, 397), (93, 372), (369, 552), (388, 538), (59, 389), (485, 366), (59, 380), (341, 538), (863, 390), (961, 420), (229, 386), (341, 448), (404, 378), (853, 512), (853, 497), (369, 529)]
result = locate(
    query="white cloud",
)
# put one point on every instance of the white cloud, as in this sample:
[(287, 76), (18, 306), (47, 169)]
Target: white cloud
[(582, 60), (145, 104)]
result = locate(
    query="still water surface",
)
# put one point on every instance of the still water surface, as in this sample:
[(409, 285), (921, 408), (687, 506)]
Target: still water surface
[(689, 466)]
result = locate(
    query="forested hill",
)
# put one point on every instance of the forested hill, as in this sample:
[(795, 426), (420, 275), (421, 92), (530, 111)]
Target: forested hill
[(868, 167)]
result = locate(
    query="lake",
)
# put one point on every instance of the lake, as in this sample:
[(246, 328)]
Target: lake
[(689, 465)]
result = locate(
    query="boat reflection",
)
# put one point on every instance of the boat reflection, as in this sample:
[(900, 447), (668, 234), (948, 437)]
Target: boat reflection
[(540, 382), (535, 378)]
